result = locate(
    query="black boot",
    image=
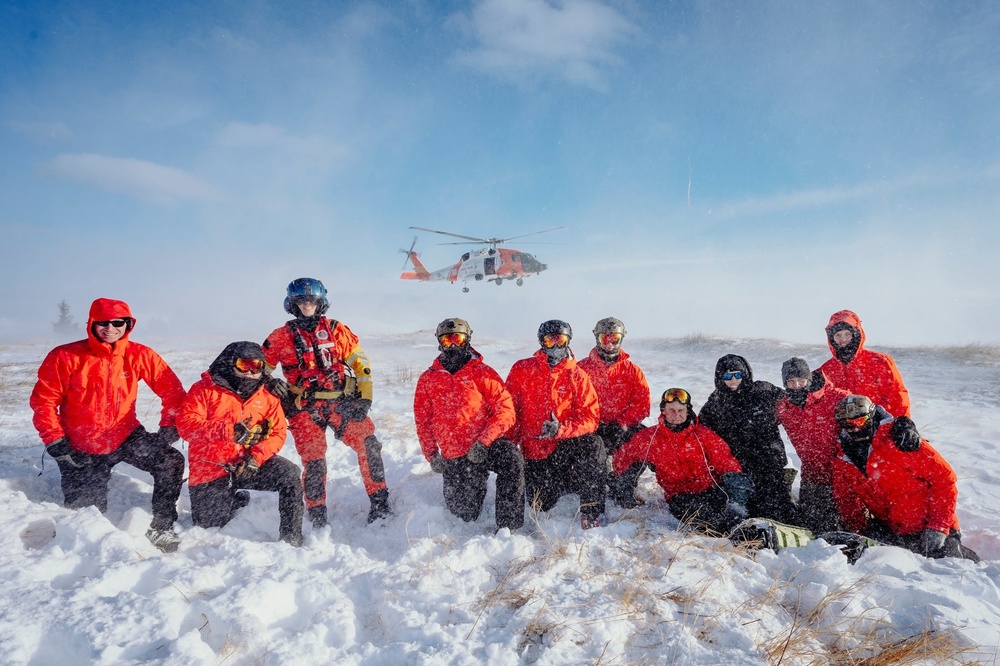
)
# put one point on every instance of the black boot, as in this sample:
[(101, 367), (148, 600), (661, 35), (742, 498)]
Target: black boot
[(380, 505), (317, 515)]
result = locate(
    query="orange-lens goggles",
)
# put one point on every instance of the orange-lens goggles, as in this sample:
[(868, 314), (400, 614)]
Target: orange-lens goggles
[(249, 364), (610, 338), (676, 395), (858, 422), (555, 340), (453, 339)]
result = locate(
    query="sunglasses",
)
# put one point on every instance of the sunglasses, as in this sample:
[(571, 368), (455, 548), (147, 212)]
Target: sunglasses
[(856, 423), (609, 338), (251, 365), (117, 323), (452, 339), (726, 376), (676, 395), (555, 340)]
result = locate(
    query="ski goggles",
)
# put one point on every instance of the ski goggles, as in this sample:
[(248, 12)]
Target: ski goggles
[(555, 340), (609, 338), (856, 423), (738, 374), (252, 365), (676, 395), (115, 323), (452, 339)]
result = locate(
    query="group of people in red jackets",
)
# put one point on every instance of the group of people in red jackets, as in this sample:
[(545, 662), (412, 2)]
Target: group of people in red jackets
[(554, 426)]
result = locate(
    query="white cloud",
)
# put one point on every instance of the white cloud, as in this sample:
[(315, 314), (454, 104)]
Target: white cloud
[(312, 149), (41, 131), (517, 38), (133, 177)]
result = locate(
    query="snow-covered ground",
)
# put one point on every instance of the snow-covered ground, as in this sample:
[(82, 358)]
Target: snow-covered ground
[(425, 588)]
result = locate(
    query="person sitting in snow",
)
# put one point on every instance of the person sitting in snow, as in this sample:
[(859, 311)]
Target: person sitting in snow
[(462, 410), (741, 411), (891, 485), (702, 481), (84, 412), (622, 391), (235, 428), (557, 414), (862, 371), (806, 413)]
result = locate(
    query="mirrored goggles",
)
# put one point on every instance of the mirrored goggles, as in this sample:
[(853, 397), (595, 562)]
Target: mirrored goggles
[(452, 340), (116, 323), (609, 338), (252, 365), (856, 423), (676, 395), (555, 340), (726, 376)]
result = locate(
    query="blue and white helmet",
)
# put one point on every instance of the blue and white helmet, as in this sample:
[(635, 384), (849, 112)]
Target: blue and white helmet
[(306, 288)]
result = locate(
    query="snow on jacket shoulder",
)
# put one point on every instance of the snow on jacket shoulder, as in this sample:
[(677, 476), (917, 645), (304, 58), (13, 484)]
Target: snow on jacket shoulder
[(813, 431), (909, 491), (87, 390), (206, 421), (690, 461), (868, 373), (453, 411), (539, 391), (622, 389)]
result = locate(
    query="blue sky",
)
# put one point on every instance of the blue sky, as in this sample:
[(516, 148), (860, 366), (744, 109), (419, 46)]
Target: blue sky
[(720, 167)]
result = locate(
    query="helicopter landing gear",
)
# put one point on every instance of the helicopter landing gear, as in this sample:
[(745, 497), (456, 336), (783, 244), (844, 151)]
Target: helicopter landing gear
[(499, 281), (520, 282), (465, 290)]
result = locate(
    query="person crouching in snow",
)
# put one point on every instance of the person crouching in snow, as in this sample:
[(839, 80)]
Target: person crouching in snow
[(235, 427), (889, 484), (84, 411), (702, 481), (557, 415), (462, 409)]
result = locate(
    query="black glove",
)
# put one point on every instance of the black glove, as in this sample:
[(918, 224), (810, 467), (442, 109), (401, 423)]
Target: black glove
[(241, 431), (931, 541), (478, 453), (247, 468), (904, 435), (353, 409), (438, 464), (614, 435), (550, 428), (61, 451), (278, 387), (250, 435), (166, 436)]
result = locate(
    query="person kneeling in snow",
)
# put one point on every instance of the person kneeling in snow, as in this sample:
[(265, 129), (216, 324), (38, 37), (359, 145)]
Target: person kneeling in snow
[(462, 409), (891, 485), (702, 481), (235, 426), (84, 405)]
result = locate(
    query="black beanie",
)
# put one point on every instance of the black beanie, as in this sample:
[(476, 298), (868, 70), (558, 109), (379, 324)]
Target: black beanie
[(794, 368)]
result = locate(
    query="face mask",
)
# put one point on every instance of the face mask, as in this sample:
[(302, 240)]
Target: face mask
[(556, 354)]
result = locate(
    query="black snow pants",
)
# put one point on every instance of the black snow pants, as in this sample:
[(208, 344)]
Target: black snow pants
[(577, 465), (465, 485)]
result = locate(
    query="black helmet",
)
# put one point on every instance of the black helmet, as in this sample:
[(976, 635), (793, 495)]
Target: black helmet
[(306, 288), (554, 327), (853, 407), (609, 325), (453, 325)]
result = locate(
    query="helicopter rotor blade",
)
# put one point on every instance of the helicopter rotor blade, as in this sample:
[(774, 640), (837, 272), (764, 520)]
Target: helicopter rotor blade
[(408, 253), (448, 233), (533, 233)]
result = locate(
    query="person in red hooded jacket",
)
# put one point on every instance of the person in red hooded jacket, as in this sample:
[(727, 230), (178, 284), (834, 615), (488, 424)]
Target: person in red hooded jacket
[(622, 391), (806, 414), (862, 371), (890, 484), (557, 411), (84, 412), (235, 427), (462, 410), (702, 481)]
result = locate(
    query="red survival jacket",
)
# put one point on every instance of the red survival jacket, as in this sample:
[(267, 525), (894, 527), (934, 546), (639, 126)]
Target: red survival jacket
[(622, 389), (206, 421), (813, 430), (690, 461), (539, 391), (453, 411), (909, 491), (86, 390), (310, 358), (868, 373)]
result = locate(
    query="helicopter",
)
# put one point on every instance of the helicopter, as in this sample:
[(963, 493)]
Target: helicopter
[(492, 263)]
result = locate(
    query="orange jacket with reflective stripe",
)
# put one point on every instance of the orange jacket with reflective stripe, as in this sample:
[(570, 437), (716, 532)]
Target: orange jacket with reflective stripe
[(622, 389), (86, 390), (206, 421), (453, 411), (539, 391), (344, 347)]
